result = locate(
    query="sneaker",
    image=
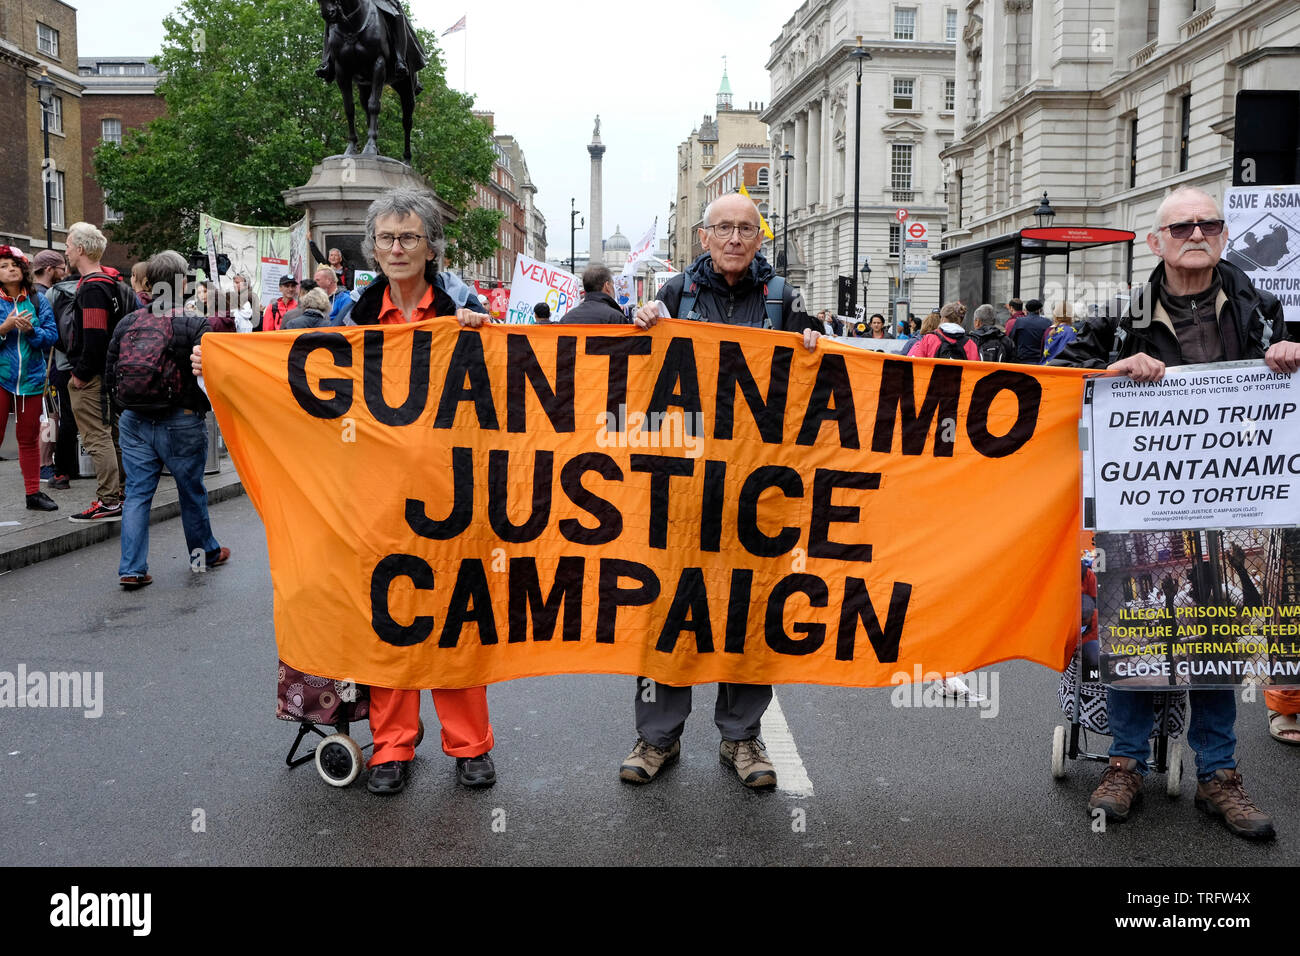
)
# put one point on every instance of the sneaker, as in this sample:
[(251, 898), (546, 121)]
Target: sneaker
[(957, 688), (216, 559), (99, 512), (476, 772), (389, 778), (1224, 796), (1120, 788), (41, 502), (60, 483), (646, 760), (749, 759), (47, 473), (134, 582)]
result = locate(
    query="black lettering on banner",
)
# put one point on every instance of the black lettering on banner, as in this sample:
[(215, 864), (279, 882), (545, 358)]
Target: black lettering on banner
[(832, 383), (610, 520), (733, 372), (417, 388), (678, 384), (526, 600), (742, 585), (857, 607), (381, 619), (499, 496), (522, 365), (618, 348), (715, 488), (661, 468), (751, 537), (610, 597), (774, 623), (471, 600), (462, 502), (688, 612), (340, 388), (824, 514), (898, 398), (1029, 395), (467, 363)]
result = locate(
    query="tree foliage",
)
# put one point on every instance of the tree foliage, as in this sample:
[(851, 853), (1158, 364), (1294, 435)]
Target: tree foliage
[(247, 118)]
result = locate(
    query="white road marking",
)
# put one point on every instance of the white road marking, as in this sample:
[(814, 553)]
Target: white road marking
[(791, 777)]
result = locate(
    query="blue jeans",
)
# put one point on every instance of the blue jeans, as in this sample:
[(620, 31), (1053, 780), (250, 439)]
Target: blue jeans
[(1209, 733), (180, 442)]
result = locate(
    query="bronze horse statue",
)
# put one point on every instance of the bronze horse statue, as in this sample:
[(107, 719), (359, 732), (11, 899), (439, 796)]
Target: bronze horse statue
[(371, 43)]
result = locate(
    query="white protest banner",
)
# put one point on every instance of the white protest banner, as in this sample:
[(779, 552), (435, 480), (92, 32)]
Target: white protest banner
[(1264, 240), (535, 282), (624, 294), (640, 250), (1208, 446), (272, 270)]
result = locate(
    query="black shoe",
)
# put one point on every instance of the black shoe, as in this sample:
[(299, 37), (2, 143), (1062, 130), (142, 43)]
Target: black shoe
[(41, 502), (476, 772), (389, 778), (60, 483)]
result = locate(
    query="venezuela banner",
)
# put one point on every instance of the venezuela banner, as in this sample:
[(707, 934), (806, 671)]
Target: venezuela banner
[(448, 507)]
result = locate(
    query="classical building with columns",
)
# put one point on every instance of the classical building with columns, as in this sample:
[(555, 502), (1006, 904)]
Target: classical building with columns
[(908, 112), (1105, 106)]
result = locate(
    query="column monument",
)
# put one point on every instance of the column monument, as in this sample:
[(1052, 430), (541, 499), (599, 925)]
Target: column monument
[(596, 237)]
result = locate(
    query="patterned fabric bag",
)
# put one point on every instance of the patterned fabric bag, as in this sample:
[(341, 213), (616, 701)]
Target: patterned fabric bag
[(321, 700)]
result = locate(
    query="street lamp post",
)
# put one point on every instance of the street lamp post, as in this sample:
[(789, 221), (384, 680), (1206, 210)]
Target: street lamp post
[(573, 215), (785, 158), (866, 279), (45, 96), (775, 222), (859, 55), (1044, 214)]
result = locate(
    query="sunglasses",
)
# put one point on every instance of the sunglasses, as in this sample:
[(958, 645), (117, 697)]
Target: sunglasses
[(1183, 230)]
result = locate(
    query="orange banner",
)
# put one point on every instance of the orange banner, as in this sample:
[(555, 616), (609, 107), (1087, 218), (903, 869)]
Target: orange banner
[(448, 507)]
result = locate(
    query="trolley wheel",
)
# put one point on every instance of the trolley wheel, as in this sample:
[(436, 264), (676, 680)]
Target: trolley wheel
[(419, 734), (1174, 775), (1058, 752), (338, 760)]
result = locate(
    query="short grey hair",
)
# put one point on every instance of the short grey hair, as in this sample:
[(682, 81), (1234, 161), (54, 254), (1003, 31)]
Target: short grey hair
[(1177, 193), (88, 239), (316, 299), (986, 316), (400, 202)]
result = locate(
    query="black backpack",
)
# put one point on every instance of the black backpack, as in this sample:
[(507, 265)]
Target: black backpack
[(147, 377), (956, 349), (995, 348), (63, 300)]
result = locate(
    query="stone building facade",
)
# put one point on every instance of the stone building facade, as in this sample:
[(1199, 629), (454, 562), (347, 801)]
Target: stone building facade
[(908, 118), (1105, 106)]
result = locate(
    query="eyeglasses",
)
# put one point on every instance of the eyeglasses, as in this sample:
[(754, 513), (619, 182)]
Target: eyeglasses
[(1183, 230), (723, 230), (409, 240)]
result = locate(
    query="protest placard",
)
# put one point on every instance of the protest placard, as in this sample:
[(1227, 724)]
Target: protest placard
[(536, 282), (1264, 240)]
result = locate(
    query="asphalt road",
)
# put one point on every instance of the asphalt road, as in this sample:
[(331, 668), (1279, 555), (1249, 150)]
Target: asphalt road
[(188, 725)]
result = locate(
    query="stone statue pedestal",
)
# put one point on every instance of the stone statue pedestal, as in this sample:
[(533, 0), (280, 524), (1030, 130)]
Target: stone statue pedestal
[(341, 189)]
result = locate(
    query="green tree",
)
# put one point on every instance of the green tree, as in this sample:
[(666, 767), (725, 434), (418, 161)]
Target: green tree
[(247, 118)]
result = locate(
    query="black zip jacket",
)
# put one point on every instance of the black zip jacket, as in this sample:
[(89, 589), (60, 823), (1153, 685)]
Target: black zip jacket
[(741, 304)]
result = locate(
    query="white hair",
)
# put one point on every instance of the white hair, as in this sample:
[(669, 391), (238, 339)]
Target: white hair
[(1178, 193)]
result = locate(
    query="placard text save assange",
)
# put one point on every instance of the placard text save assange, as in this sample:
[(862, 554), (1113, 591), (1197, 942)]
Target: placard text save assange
[(449, 507)]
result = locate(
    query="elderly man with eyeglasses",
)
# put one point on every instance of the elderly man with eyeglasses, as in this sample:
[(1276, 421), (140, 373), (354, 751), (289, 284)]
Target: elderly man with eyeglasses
[(1194, 308)]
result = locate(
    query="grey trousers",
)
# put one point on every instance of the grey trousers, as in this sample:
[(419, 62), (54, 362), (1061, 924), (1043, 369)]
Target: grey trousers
[(738, 711)]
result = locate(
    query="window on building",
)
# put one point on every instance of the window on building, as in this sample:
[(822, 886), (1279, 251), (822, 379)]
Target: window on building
[(110, 131), (763, 176), (47, 40), (949, 95), (1132, 151), (950, 26), (56, 114), (900, 167), (111, 214), (904, 23), (56, 201), (1185, 129), (895, 237), (903, 90)]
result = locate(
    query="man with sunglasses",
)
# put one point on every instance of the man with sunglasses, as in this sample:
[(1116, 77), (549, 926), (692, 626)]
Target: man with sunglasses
[(1194, 308)]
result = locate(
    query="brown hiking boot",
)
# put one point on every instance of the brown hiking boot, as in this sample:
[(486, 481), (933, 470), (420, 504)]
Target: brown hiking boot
[(1120, 788), (749, 759), (1224, 796), (646, 760)]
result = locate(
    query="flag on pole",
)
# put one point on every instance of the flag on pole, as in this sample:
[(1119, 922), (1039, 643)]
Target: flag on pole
[(767, 230), (641, 249), (458, 25)]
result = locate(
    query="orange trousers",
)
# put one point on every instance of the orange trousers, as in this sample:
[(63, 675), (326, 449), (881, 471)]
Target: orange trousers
[(1283, 701), (395, 720)]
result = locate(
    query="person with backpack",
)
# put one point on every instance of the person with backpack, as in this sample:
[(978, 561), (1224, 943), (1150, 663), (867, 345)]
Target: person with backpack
[(273, 317), (990, 341), (147, 369), (101, 301), (1030, 331), (26, 331), (949, 340)]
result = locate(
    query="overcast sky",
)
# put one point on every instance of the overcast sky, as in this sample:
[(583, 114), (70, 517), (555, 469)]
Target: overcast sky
[(651, 71)]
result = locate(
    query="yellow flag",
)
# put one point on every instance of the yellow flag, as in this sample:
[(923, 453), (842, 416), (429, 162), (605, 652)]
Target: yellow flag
[(767, 230)]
